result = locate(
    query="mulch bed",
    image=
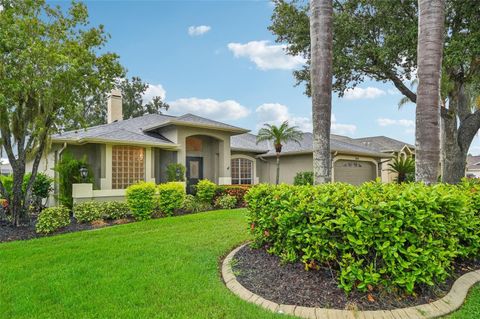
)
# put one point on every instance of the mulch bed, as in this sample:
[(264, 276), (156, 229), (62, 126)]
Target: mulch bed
[(289, 283), (10, 233)]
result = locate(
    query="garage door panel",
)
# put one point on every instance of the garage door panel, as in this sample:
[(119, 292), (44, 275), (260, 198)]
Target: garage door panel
[(354, 172)]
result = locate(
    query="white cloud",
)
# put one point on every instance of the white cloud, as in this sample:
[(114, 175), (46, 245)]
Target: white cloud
[(360, 93), (276, 113), (342, 129), (266, 56), (210, 108), (390, 122), (194, 31), (154, 90)]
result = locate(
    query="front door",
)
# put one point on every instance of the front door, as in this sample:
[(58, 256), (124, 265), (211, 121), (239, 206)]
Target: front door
[(194, 172)]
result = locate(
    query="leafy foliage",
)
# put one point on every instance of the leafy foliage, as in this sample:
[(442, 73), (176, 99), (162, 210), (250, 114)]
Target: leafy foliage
[(206, 191), (50, 60), (226, 202), (68, 169), (279, 135), (238, 191), (87, 211), (114, 210), (383, 235), (170, 197), (52, 219), (175, 172), (303, 178), (191, 204), (142, 200), (404, 167)]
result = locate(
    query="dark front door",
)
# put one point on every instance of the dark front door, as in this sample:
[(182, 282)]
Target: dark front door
[(194, 172)]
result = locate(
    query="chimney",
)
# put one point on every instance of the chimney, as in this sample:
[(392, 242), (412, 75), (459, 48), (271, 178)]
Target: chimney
[(114, 106)]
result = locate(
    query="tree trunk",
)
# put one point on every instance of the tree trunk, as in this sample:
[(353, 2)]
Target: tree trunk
[(430, 49), (277, 180), (16, 206), (321, 39)]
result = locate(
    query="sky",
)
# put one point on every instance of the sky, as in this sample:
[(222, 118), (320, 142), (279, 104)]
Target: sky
[(217, 59)]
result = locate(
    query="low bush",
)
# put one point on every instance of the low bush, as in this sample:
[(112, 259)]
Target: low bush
[(237, 191), (303, 178), (380, 235), (191, 204), (175, 172), (226, 202), (87, 211), (114, 210), (52, 219), (170, 197), (141, 199), (206, 191)]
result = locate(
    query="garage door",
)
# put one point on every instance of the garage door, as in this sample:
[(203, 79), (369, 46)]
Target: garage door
[(354, 172)]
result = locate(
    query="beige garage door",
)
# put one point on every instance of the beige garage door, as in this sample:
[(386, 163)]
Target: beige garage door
[(354, 172)]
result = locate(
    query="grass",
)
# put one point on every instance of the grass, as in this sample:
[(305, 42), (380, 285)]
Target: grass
[(164, 268)]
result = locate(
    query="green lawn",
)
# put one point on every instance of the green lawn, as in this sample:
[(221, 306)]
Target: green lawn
[(164, 268)]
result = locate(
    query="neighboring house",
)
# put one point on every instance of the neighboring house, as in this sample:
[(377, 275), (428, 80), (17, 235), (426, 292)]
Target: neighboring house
[(5, 167), (389, 146), (473, 166), (123, 152)]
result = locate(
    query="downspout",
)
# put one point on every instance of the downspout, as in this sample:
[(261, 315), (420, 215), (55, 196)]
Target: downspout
[(333, 166)]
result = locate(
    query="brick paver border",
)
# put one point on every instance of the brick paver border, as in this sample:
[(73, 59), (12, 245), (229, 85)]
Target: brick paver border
[(448, 304)]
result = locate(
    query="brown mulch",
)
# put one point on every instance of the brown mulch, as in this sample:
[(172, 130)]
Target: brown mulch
[(10, 233), (290, 284)]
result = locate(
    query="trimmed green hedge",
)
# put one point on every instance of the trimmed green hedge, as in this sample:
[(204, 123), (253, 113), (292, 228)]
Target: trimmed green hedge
[(89, 211), (170, 197), (141, 199), (384, 235), (52, 219)]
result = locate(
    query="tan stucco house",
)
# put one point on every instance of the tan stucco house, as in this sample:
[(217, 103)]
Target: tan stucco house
[(123, 152)]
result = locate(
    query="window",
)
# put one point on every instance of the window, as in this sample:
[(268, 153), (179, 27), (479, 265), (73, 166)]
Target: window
[(242, 171), (128, 166)]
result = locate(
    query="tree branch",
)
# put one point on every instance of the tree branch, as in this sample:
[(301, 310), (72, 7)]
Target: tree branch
[(468, 129), (401, 86)]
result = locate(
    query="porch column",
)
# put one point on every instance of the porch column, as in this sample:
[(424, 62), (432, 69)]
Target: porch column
[(225, 172), (149, 176), (106, 182)]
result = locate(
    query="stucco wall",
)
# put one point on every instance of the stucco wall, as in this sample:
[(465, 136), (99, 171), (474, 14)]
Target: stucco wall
[(290, 165)]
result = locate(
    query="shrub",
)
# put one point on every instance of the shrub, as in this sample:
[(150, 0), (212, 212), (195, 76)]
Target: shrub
[(7, 182), (114, 210), (68, 169), (206, 191), (87, 211), (237, 191), (303, 178), (170, 197), (384, 235), (51, 219), (192, 205), (175, 172), (141, 199), (226, 202)]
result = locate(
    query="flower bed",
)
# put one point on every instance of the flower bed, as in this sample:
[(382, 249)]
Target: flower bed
[(377, 236)]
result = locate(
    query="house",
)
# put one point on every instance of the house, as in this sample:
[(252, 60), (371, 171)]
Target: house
[(5, 167), (123, 152), (473, 166)]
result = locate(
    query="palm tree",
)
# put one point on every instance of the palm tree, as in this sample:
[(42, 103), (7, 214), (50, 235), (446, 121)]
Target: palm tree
[(403, 166), (278, 135), (321, 41), (429, 55)]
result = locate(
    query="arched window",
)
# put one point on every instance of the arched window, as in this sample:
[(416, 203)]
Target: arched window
[(242, 171)]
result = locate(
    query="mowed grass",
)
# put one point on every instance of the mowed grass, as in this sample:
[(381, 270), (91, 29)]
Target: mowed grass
[(164, 268)]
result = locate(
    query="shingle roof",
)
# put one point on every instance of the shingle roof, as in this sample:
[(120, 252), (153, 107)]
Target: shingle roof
[(337, 144), (248, 142), (140, 129), (383, 143)]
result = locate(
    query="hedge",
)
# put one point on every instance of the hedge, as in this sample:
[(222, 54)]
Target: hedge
[(237, 191), (52, 219), (170, 197), (89, 211), (382, 235), (141, 199)]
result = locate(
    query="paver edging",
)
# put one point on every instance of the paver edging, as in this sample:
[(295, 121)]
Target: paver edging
[(441, 307)]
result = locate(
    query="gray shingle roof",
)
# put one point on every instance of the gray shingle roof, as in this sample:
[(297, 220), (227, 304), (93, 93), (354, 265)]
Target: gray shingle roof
[(383, 143), (248, 142), (140, 129), (337, 144)]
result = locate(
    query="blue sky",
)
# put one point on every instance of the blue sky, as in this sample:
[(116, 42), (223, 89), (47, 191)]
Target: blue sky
[(217, 59)]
